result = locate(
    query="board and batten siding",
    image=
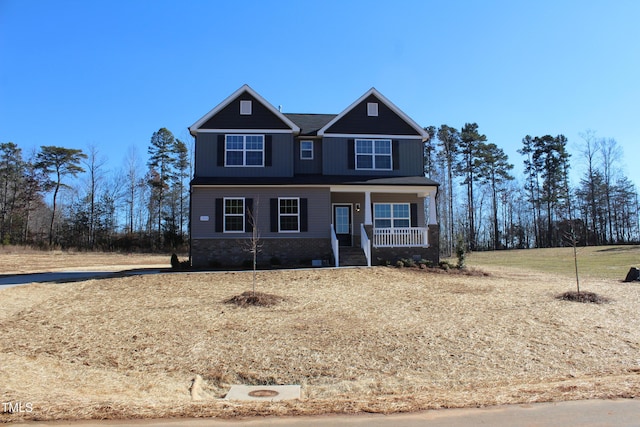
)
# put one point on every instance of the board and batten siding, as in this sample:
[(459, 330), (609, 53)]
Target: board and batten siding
[(207, 164), (337, 159), (305, 166), (203, 213)]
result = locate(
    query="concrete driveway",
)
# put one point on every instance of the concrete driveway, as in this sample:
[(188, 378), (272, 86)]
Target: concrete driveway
[(586, 413)]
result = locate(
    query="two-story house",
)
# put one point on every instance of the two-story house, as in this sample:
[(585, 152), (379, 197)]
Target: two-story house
[(315, 186)]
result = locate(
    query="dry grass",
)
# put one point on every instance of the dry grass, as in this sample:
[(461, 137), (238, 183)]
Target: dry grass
[(21, 260), (375, 340)]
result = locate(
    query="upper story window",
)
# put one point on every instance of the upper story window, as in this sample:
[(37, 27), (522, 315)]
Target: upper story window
[(372, 109), (306, 150), (244, 150), (374, 154), (234, 215), (245, 108), (391, 215)]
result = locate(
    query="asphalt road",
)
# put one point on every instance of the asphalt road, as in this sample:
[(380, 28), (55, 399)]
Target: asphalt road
[(586, 413), (9, 280)]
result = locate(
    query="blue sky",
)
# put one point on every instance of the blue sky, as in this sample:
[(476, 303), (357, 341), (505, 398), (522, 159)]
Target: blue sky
[(110, 73)]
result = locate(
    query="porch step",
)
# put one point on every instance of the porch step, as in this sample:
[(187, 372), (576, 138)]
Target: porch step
[(352, 256)]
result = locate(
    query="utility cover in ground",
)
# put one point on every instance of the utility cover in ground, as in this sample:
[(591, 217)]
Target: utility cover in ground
[(265, 393)]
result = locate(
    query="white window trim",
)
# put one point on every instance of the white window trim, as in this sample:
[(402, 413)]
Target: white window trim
[(245, 107), (391, 218), (301, 150), (373, 154), (244, 151), (225, 214), (288, 215), (372, 109)]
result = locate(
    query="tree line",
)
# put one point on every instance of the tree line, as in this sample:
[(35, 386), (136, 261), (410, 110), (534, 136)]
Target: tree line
[(482, 206), (65, 197)]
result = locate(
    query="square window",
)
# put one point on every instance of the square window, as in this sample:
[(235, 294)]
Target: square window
[(374, 154)]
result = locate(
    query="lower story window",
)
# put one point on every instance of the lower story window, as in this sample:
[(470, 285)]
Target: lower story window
[(289, 214), (234, 215), (391, 215)]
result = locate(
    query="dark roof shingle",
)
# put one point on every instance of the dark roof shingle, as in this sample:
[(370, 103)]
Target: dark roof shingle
[(309, 124)]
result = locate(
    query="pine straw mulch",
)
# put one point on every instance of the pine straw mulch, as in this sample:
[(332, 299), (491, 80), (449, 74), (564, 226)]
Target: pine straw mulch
[(588, 297), (252, 298), (375, 340)]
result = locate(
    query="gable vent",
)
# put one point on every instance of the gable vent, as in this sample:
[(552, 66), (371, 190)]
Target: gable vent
[(245, 108), (372, 109)]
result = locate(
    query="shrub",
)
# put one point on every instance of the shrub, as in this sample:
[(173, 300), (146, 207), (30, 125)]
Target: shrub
[(400, 263), (426, 263), (445, 265), (409, 262), (247, 263), (460, 253), (275, 261)]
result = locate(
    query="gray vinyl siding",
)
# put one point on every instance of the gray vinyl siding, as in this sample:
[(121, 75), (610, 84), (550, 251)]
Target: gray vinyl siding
[(335, 155), (313, 166), (206, 155), (204, 199)]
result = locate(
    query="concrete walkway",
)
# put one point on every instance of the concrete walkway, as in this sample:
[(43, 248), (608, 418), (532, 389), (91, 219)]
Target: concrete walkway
[(587, 413)]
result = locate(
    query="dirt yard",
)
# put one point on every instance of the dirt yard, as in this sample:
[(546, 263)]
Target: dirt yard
[(375, 340)]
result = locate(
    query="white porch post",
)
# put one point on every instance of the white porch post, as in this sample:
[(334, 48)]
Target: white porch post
[(367, 208), (432, 208)]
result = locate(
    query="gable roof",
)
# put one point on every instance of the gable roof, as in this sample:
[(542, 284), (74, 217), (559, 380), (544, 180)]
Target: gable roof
[(373, 92), (193, 129), (310, 123)]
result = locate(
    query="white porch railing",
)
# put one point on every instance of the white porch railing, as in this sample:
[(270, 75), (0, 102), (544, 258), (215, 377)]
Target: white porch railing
[(400, 237), (335, 246), (365, 244)]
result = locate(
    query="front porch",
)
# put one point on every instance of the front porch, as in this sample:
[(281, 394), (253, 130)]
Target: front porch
[(385, 222)]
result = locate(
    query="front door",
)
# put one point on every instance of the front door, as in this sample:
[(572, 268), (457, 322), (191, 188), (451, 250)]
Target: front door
[(342, 224)]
